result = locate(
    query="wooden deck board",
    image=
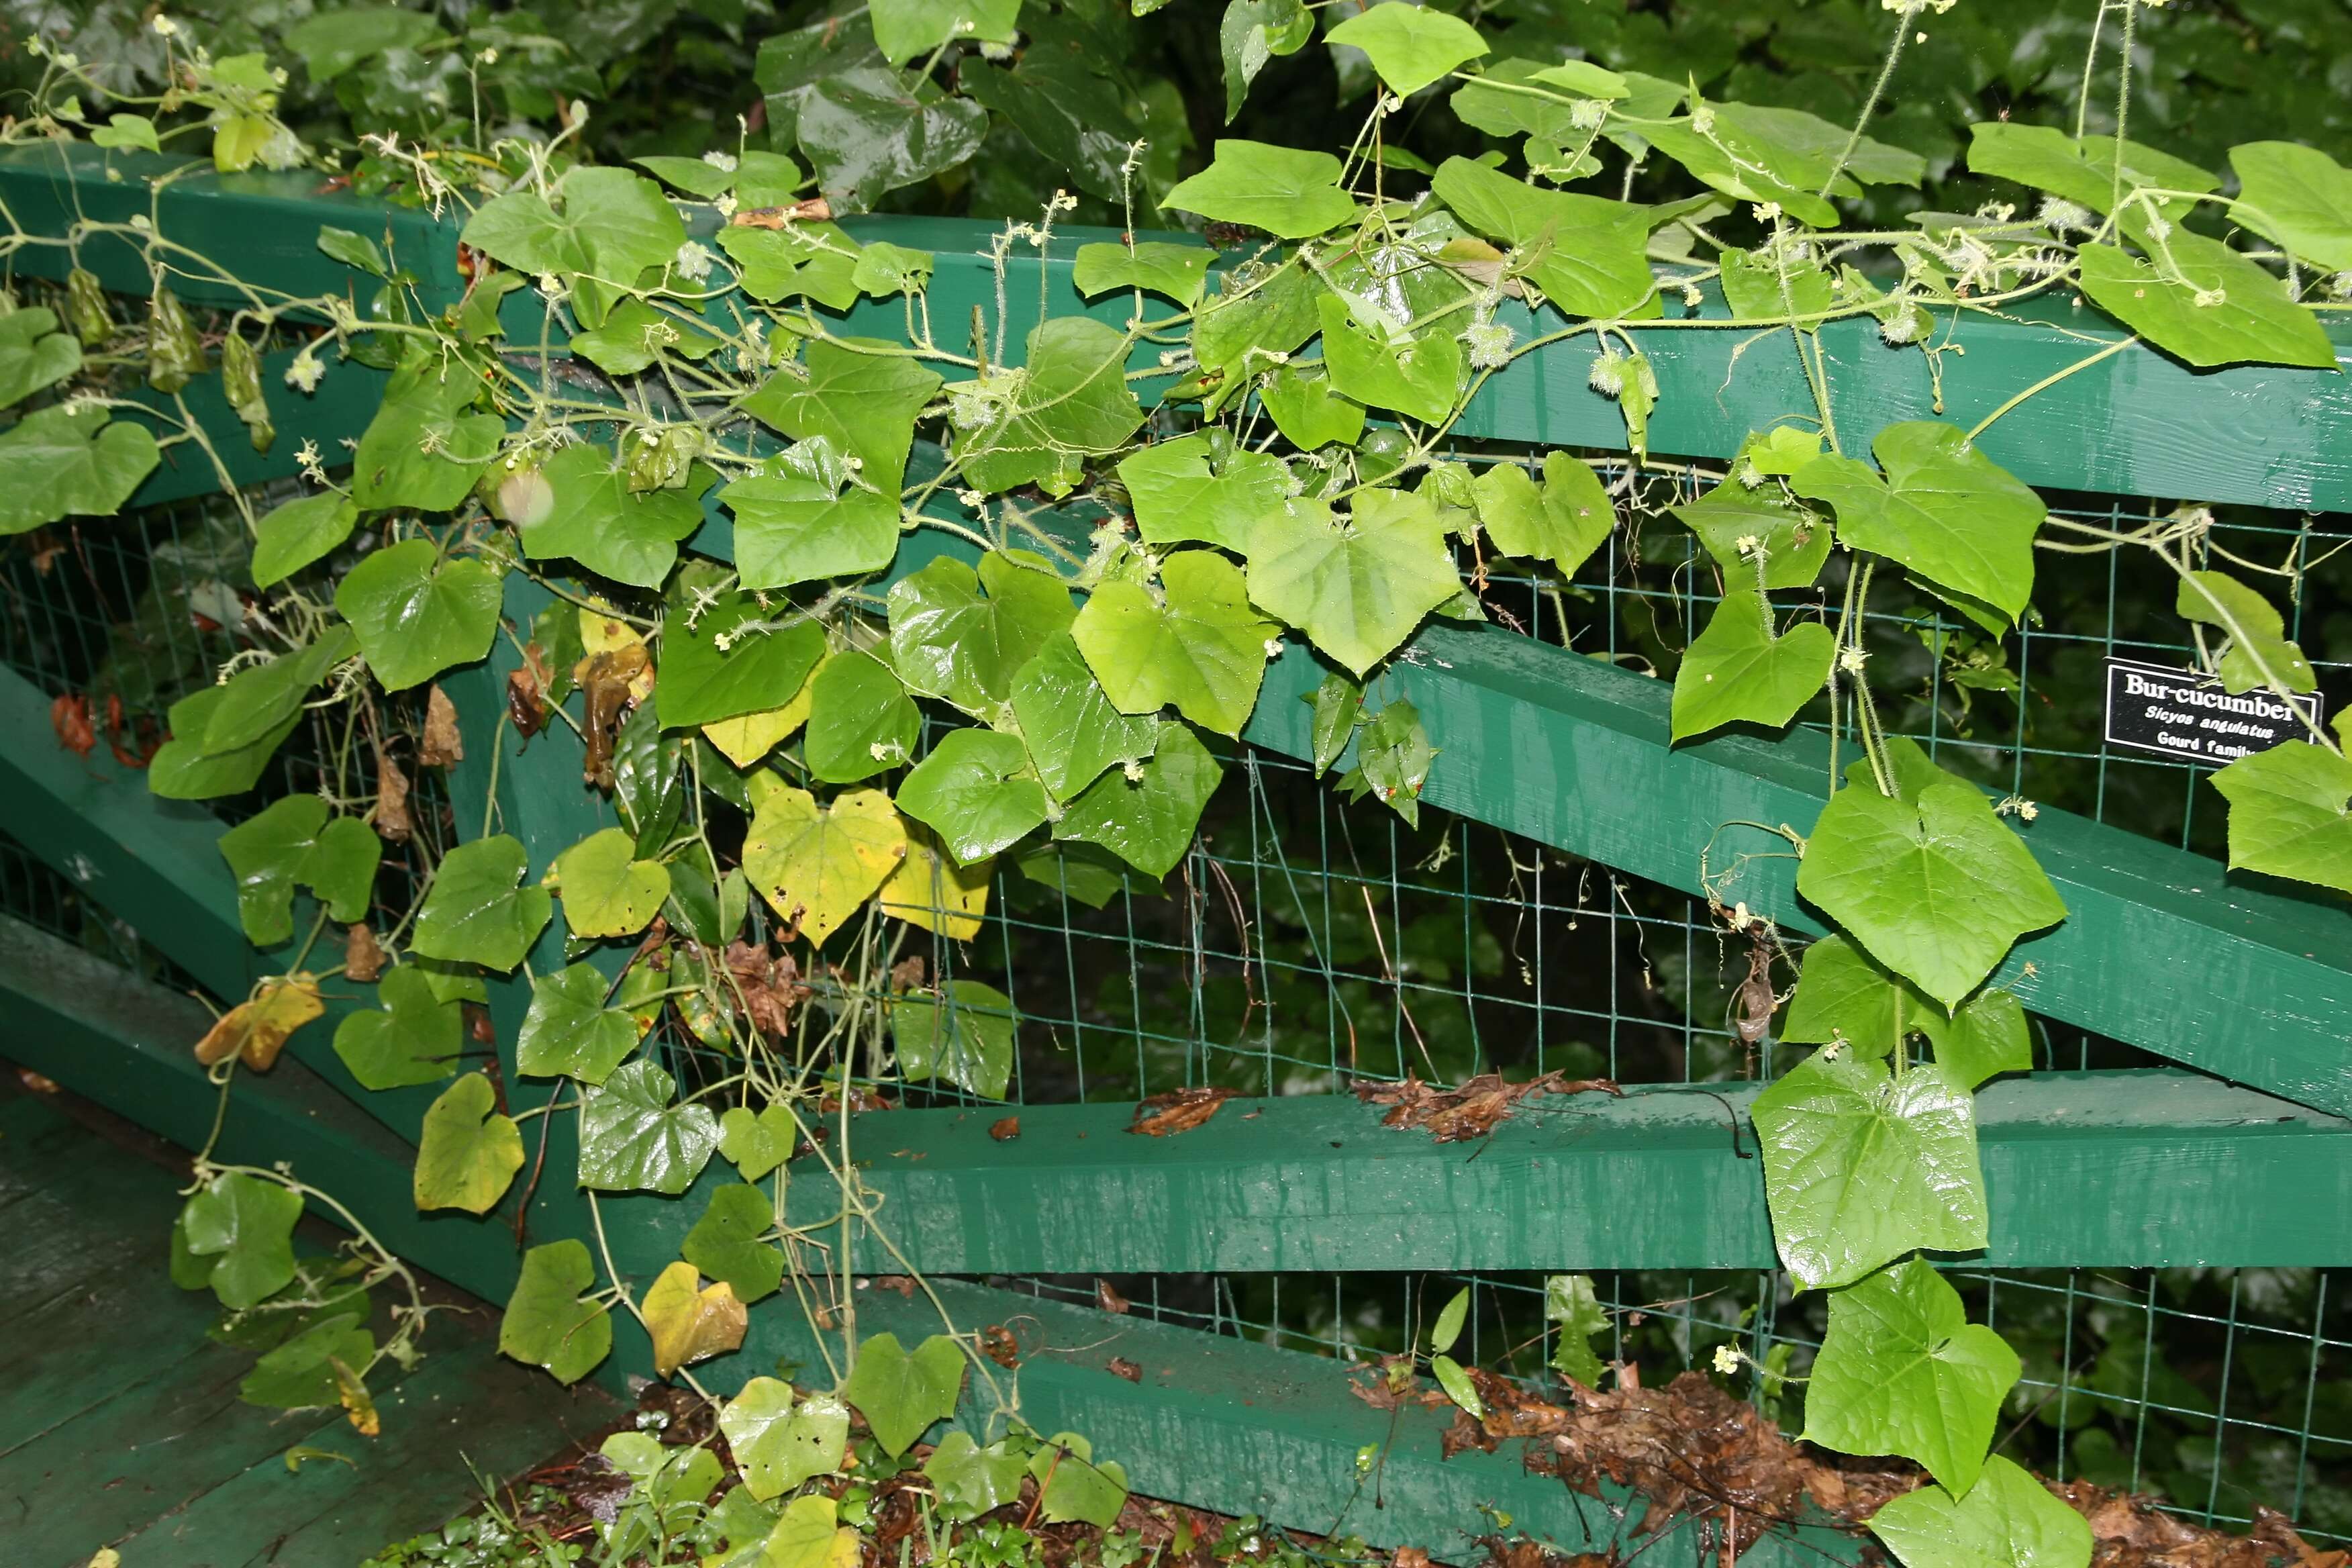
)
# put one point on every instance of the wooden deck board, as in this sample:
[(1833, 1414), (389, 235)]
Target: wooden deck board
[(120, 1422)]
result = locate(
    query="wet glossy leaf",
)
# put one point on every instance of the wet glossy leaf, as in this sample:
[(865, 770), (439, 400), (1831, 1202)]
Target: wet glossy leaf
[(415, 1037), (416, 615), (1338, 704), (1254, 32), (961, 635), (931, 890), (1070, 402), (633, 1138), (964, 1035), (292, 843), (726, 1244), (2082, 172), (1196, 643), (609, 223), (869, 131), (1069, 722), (423, 450), (469, 1152), (1450, 1319), (1148, 820), (1842, 996), (546, 1324), (2008, 1520), (1794, 538), (968, 1479), (2257, 635), (300, 1374), (790, 530), (900, 1394), (1299, 400), (976, 792), (1738, 669), (477, 911), (1075, 1488), (1903, 1370), (764, 662), (1861, 1167), (569, 1030), (688, 1321), (1357, 585)]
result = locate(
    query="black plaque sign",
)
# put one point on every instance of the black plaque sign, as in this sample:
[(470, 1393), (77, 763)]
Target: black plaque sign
[(2184, 714)]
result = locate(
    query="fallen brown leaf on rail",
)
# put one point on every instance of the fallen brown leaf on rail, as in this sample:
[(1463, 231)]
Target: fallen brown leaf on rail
[(1108, 1299), (1178, 1110), (1122, 1367), (997, 1343), (69, 717), (816, 209), (1474, 1109), (1007, 1130)]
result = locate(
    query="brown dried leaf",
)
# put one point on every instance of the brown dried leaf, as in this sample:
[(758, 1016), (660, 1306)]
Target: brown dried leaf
[(1108, 1299), (1122, 1367), (816, 209), (771, 986), (392, 819), (441, 744), (36, 1082), (257, 1029), (1472, 1111), (359, 1405), (526, 701), (904, 1284), (69, 717), (1005, 1131), (997, 1343), (363, 956), (1178, 1110), (607, 678)]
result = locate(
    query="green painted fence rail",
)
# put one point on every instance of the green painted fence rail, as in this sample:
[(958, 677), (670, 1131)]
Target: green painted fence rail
[(2127, 1169)]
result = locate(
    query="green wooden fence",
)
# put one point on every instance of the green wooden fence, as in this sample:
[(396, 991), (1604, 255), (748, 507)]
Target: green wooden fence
[(2164, 952)]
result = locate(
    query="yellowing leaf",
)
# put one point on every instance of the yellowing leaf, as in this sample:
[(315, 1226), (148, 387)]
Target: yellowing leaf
[(931, 890), (817, 865), (745, 738), (689, 1324), (258, 1029), (807, 1536)]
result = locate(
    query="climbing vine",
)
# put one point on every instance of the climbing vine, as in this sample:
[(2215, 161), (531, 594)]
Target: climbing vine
[(848, 627)]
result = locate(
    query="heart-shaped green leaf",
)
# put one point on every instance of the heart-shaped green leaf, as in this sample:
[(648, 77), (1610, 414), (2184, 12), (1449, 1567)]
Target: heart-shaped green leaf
[(416, 1037), (2008, 1520), (477, 911), (2205, 303), (58, 462), (240, 1230), (1175, 271), (633, 1138), (1410, 45), (607, 890), (1075, 1488), (2288, 814), (468, 1152), (33, 354), (1146, 816), (1944, 509), (1586, 253), (1932, 884), (1195, 643), (570, 1031), (1070, 402), (595, 519), (963, 1034), (1202, 486), (974, 790), (1417, 377), (1861, 1167), (1072, 729), (2296, 196), (726, 1244), (860, 721), (417, 614), (1903, 1370), (1564, 522), (781, 1444), (737, 657), (301, 531), (1357, 585), (817, 866), (2258, 651), (1737, 669), (969, 1479), (1842, 996), (291, 843), (546, 1324), (901, 1395), (1795, 541), (423, 450), (959, 635), (860, 395), (1290, 193)]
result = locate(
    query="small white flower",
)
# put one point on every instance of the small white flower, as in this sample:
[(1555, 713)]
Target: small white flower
[(1766, 211), (693, 260), (305, 374), (165, 27), (1133, 770), (1727, 1359), (1274, 647), (726, 203), (488, 57), (2207, 299), (722, 161), (1852, 660), (1748, 544)]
